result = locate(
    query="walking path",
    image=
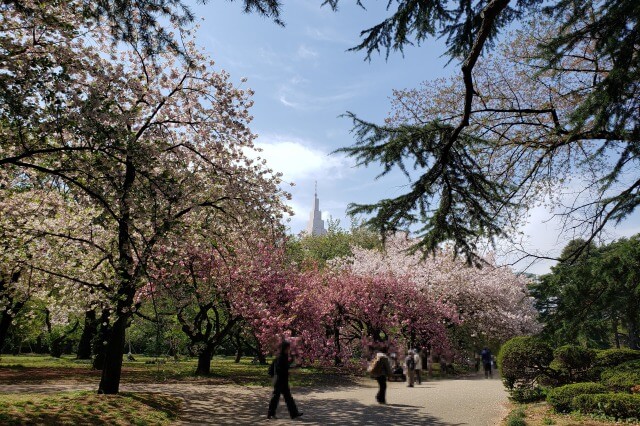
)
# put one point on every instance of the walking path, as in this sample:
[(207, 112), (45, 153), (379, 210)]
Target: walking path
[(472, 402)]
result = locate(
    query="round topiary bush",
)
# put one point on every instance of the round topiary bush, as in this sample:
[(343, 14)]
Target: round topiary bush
[(562, 397), (522, 361), (622, 378), (618, 405), (573, 362), (612, 357)]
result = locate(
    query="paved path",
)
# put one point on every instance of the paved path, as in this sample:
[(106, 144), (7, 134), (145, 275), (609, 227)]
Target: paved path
[(472, 402)]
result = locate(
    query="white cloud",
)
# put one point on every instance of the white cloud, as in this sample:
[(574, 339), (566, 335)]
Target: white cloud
[(545, 234), (299, 159), (305, 52), (328, 34)]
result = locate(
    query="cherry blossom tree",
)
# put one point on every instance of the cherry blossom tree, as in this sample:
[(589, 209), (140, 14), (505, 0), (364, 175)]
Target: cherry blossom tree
[(146, 143), (46, 250), (492, 302), (216, 288), (339, 314)]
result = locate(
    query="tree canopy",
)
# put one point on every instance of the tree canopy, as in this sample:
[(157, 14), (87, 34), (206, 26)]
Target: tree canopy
[(593, 300)]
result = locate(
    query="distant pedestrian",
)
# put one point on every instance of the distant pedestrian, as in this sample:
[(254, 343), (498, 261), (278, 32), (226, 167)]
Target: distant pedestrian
[(410, 365), (418, 359), (487, 360), (280, 373), (380, 369)]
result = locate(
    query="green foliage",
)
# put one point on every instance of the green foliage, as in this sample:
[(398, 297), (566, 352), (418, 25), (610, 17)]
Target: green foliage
[(561, 398), (622, 377), (618, 405), (453, 189), (516, 417), (613, 357), (588, 297), (573, 361), (336, 243), (522, 361)]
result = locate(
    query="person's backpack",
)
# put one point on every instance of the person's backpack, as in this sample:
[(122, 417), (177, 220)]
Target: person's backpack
[(272, 369), (375, 367), (411, 363)]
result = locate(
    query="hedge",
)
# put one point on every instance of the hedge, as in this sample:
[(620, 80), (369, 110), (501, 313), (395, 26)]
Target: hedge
[(618, 405), (623, 377), (574, 363), (522, 361), (612, 357), (562, 397)]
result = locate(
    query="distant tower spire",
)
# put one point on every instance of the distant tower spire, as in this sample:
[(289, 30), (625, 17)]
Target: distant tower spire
[(316, 224)]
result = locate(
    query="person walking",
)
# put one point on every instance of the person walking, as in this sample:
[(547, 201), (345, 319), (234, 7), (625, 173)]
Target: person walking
[(410, 365), (418, 363), (380, 369), (280, 369), (487, 360)]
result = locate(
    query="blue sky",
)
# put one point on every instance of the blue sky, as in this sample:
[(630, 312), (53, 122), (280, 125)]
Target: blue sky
[(304, 79)]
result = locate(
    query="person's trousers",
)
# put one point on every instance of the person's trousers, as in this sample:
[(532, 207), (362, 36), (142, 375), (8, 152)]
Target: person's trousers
[(487, 370), (410, 377), (381, 396), (288, 399), (418, 378)]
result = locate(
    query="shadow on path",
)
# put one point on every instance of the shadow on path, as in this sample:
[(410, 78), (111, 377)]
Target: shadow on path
[(234, 407)]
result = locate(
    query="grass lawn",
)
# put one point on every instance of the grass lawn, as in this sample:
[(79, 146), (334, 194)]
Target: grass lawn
[(43, 368), (541, 413), (88, 408)]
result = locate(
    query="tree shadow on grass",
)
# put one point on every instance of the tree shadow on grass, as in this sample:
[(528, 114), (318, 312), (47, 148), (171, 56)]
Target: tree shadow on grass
[(170, 406)]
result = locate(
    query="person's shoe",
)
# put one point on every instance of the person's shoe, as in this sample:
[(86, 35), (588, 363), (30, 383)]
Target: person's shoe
[(295, 416), (271, 417)]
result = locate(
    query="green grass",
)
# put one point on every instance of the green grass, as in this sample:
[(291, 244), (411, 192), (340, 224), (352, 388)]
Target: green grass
[(88, 408), (43, 368)]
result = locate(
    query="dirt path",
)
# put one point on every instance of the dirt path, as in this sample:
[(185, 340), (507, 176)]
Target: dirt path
[(473, 402)]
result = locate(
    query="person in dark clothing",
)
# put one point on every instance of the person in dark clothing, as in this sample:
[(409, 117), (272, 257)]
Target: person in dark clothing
[(281, 383), (485, 355), (381, 372)]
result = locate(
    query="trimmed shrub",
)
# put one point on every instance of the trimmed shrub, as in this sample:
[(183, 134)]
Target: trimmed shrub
[(573, 362), (522, 361), (622, 378), (612, 357), (561, 398), (618, 405)]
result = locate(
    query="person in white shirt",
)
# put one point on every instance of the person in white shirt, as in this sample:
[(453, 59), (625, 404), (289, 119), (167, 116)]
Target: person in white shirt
[(418, 358)]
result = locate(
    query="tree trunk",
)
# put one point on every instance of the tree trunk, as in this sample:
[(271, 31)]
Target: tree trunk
[(238, 345), (632, 330), (5, 322), (57, 345), (616, 335), (110, 380), (98, 346), (88, 333), (112, 370), (336, 344), (204, 362), (262, 359)]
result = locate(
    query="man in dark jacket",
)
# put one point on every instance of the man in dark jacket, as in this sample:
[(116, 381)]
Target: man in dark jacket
[(281, 383), (486, 362)]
